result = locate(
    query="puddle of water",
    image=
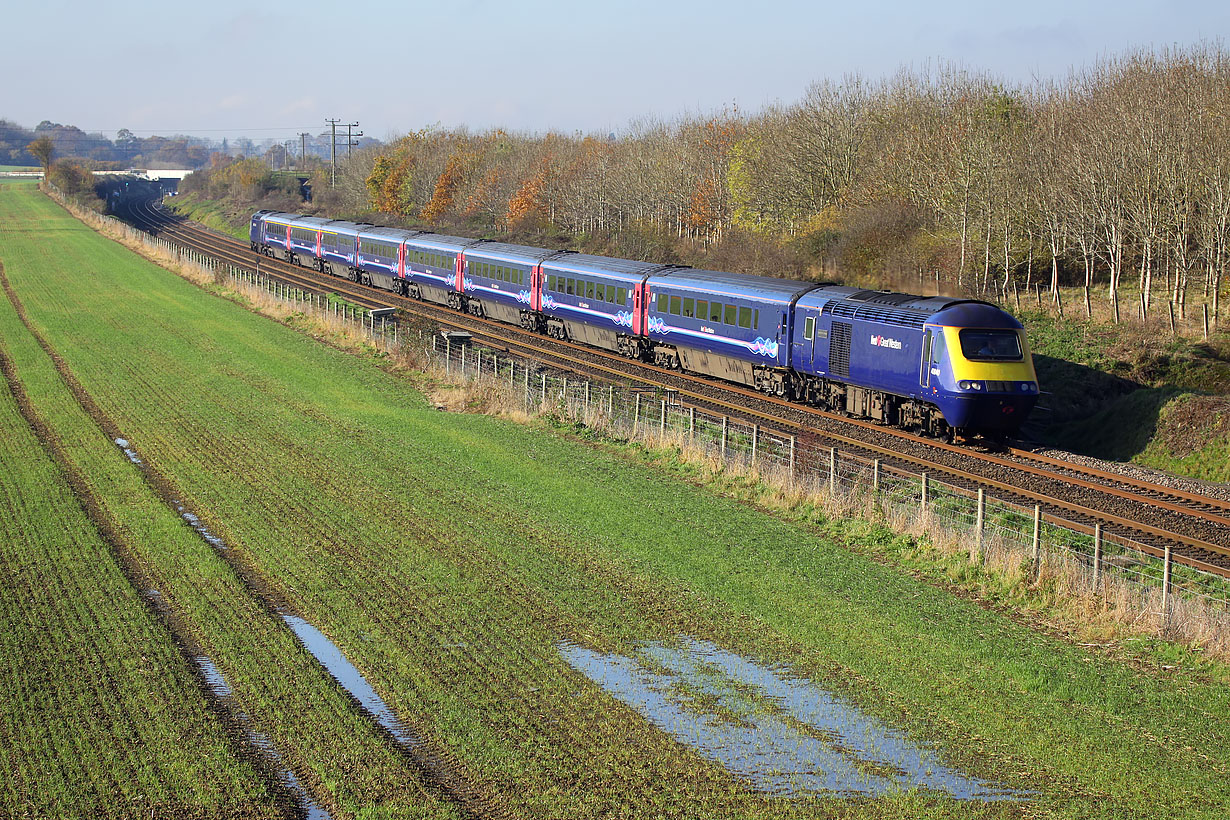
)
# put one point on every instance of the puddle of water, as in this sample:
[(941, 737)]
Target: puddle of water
[(327, 652), (195, 522), (129, 452), (784, 734), (222, 690)]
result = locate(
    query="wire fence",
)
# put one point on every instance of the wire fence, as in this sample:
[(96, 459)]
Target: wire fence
[(1081, 559), (1078, 559)]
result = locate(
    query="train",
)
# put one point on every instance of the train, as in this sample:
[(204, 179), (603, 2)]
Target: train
[(939, 366)]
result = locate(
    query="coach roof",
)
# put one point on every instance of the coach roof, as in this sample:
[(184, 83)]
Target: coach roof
[(722, 283)]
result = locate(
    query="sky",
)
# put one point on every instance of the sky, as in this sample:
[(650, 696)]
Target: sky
[(273, 69)]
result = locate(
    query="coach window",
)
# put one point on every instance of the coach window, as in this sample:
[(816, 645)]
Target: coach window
[(572, 283), (621, 296), (551, 282), (662, 302), (675, 300), (715, 312), (745, 317), (730, 315), (689, 307)]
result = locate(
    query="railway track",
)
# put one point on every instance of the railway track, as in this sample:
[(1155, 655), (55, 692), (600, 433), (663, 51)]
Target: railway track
[(1195, 528)]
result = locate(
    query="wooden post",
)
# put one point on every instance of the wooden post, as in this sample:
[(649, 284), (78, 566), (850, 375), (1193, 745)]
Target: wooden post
[(1172, 327), (587, 395), (725, 425), (691, 424), (1205, 309), (610, 400), (980, 522), (1166, 590), (1038, 292), (448, 354), (832, 471), (792, 462), (565, 394), (1097, 554), (636, 413), (542, 402), (1037, 544), (755, 441), (480, 366), (922, 506), (875, 468), (662, 423)]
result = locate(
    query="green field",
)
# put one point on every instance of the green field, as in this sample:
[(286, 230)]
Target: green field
[(457, 559)]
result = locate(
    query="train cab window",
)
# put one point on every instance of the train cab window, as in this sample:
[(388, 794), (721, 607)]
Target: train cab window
[(675, 300), (990, 345), (715, 312), (729, 317), (809, 328), (621, 296), (745, 317), (689, 307)]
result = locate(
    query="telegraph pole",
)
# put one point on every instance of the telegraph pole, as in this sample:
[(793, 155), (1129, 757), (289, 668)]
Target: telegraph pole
[(303, 148), (350, 140), (333, 151)]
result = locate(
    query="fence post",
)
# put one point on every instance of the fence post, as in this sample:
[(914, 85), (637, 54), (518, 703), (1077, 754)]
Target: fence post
[(981, 520), (480, 365), (692, 425), (832, 471), (922, 507), (792, 462), (543, 402), (448, 354), (636, 414), (610, 401), (587, 395), (755, 441), (1166, 591), (875, 467), (662, 425), (725, 425), (1037, 545), (1097, 554)]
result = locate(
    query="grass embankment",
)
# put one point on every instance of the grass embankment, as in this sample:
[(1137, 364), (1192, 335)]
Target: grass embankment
[(216, 214), (448, 555), (1126, 392), (346, 762)]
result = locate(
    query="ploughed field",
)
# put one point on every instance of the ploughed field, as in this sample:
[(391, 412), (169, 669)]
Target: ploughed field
[(547, 629)]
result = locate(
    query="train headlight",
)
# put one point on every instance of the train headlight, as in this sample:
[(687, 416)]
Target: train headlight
[(969, 385), (1029, 387)]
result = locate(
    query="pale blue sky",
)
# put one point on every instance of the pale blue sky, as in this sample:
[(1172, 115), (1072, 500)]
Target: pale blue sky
[(274, 68)]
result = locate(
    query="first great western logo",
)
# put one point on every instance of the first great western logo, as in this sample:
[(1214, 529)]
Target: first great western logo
[(884, 341)]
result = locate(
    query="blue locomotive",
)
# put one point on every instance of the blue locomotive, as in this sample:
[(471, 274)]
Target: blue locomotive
[(941, 366)]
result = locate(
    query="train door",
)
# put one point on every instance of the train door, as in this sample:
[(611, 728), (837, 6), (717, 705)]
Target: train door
[(803, 345), (536, 287), (459, 285), (640, 295)]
